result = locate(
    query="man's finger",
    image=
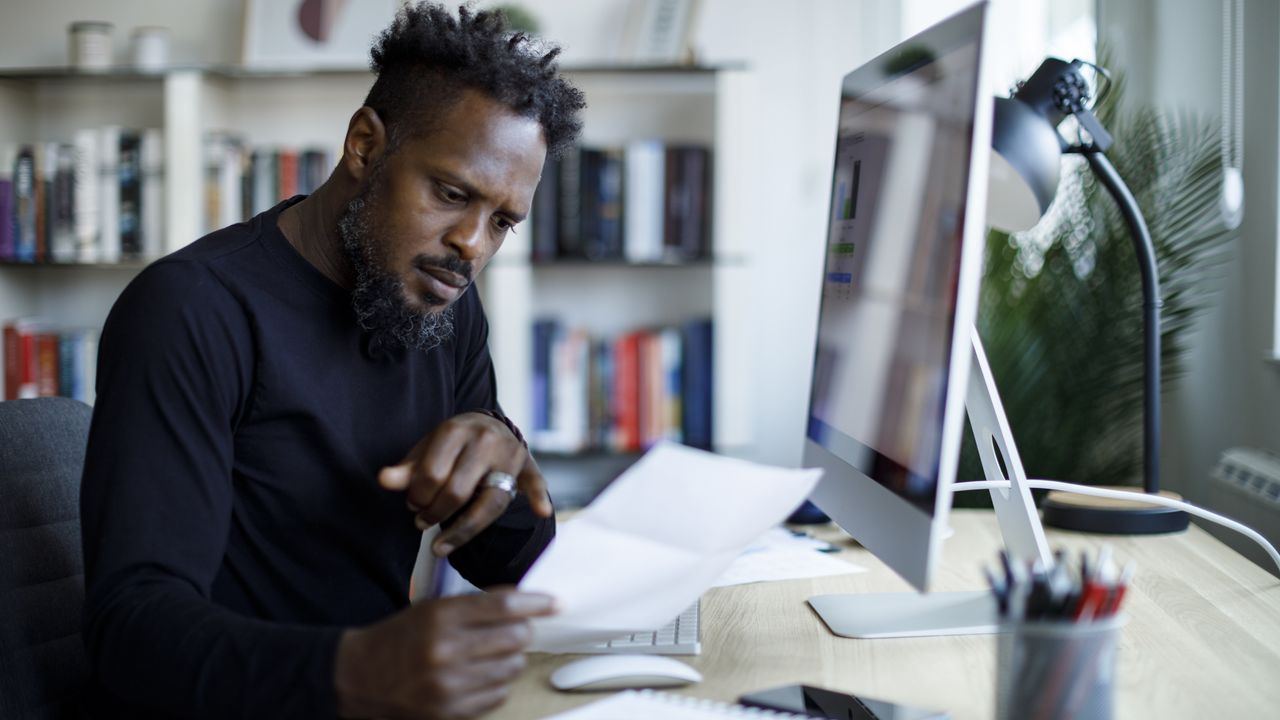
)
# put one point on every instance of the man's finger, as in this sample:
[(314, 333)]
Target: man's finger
[(534, 487), (395, 477), (485, 674), (462, 485), (481, 701), (443, 448), (487, 506), (499, 607), (497, 641)]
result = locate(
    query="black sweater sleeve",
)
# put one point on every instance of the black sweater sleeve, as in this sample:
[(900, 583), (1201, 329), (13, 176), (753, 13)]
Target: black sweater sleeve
[(519, 536), (174, 373)]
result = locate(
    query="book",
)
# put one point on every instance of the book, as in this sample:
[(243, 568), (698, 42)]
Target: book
[(688, 192), (569, 238), (603, 224), (77, 361), (86, 200), (648, 704), (626, 392), (8, 156), (24, 205), (288, 173), (671, 392), (544, 333), (544, 217), (152, 160), (697, 384), (129, 172), (262, 169), (46, 348), (643, 201), (109, 194), (62, 204), (20, 360), (46, 163)]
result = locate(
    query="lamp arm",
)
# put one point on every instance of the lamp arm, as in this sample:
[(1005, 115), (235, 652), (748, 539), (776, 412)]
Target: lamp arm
[(1151, 304)]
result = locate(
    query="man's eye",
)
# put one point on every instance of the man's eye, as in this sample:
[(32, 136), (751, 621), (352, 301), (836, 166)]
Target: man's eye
[(504, 224), (451, 195)]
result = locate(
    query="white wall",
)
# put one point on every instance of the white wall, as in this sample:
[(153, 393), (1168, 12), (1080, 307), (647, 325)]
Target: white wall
[(1171, 52)]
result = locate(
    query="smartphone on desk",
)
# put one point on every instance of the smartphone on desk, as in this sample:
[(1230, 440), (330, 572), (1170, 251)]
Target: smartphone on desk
[(823, 703)]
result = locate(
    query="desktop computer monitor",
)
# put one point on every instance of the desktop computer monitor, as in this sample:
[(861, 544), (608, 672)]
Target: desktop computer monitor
[(904, 250)]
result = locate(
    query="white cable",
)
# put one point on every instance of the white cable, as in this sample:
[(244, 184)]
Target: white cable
[(1129, 495)]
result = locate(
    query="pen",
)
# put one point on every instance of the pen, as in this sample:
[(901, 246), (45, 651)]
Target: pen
[(1116, 596), (1000, 590)]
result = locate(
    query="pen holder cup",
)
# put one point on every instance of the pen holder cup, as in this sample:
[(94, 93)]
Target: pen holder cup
[(1055, 670)]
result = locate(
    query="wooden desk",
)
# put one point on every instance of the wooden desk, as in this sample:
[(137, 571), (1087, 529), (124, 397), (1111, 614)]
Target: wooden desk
[(1202, 641)]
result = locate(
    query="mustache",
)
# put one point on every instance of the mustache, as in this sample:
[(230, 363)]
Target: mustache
[(451, 263)]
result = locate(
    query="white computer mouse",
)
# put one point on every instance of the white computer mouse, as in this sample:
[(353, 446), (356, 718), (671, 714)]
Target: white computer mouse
[(612, 672)]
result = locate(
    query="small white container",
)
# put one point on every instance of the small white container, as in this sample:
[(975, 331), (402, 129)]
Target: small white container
[(89, 45), (151, 48)]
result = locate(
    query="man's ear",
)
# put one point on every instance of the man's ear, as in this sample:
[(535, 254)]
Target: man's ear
[(365, 142)]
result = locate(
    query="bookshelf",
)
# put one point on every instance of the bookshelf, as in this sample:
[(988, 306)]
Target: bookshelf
[(671, 104), (697, 106)]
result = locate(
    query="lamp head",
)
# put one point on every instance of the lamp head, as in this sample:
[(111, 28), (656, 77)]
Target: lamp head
[(1026, 144)]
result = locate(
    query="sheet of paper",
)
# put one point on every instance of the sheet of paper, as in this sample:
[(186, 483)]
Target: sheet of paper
[(779, 555), (655, 539)]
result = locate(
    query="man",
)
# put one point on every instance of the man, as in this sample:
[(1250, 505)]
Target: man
[(271, 398)]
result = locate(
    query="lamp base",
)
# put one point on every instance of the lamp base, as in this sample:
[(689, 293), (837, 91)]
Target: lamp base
[(1112, 517)]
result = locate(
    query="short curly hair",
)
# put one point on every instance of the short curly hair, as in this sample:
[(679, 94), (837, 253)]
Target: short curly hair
[(427, 57)]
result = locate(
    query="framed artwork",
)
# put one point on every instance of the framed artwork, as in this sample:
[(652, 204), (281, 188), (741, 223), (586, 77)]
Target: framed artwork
[(313, 34)]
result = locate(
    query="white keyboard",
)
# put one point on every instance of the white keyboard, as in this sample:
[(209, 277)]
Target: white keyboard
[(678, 637)]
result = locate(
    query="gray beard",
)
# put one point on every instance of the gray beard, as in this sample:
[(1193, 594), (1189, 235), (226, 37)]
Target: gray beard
[(378, 296)]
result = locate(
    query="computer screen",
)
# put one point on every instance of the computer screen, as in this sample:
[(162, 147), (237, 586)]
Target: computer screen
[(899, 291)]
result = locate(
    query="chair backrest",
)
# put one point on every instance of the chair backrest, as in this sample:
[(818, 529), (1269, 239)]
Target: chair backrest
[(43, 665)]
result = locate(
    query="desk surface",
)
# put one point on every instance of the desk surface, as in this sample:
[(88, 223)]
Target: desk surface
[(1203, 638)]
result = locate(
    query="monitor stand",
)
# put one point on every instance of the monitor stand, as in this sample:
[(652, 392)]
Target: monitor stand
[(879, 615)]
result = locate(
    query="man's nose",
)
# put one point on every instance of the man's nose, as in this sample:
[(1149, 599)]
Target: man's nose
[(466, 237)]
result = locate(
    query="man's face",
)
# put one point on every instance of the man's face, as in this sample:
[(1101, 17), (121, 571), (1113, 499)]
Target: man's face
[(433, 212)]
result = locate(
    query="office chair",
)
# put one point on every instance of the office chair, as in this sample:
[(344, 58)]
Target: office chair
[(43, 665)]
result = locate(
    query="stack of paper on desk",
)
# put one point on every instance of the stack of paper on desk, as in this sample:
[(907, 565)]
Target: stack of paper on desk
[(655, 540), (781, 555)]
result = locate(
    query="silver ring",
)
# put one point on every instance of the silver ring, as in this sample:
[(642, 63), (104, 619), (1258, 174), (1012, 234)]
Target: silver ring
[(506, 482)]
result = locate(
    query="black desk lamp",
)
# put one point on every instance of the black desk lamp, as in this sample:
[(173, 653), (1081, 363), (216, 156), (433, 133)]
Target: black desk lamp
[(1024, 179)]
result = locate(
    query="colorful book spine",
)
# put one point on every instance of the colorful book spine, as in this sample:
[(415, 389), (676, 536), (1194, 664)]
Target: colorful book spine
[(20, 360), (87, 214), (152, 159), (7, 220), (24, 206), (130, 184)]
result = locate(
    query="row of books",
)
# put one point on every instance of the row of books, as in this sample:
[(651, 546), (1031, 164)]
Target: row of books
[(645, 202), (622, 393), (41, 361), (241, 181), (98, 198)]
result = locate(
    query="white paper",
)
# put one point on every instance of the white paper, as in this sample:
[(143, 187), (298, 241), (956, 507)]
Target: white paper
[(655, 540), (780, 555)]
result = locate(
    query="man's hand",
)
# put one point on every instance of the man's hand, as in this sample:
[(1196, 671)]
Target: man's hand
[(443, 472), (451, 658)]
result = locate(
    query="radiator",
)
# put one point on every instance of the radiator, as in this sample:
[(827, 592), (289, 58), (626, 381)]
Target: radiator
[(1245, 486), (1255, 473)]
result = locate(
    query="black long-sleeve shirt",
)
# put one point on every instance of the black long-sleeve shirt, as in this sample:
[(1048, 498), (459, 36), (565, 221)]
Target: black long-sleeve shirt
[(232, 520)]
